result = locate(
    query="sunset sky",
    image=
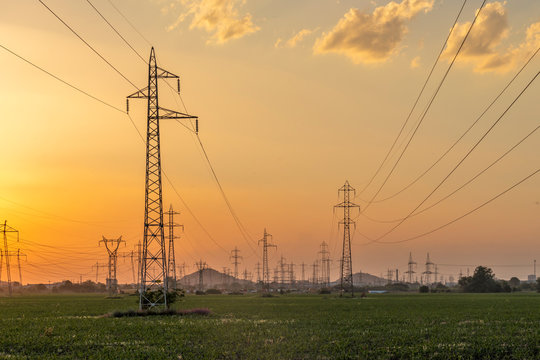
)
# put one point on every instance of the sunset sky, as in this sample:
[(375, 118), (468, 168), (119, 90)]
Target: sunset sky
[(294, 98)]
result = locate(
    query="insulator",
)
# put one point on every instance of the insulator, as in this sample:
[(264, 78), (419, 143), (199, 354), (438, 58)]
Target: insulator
[(196, 125), (127, 106), (178, 84)]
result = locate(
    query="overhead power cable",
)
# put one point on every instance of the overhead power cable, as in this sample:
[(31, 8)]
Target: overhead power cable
[(116, 31), (62, 81), (428, 106), (464, 184), (87, 44), (416, 101), (129, 22), (463, 158), (464, 133), (464, 215)]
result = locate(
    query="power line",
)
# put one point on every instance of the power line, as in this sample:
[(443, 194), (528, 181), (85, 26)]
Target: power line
[(465, 184), (61, 80), (116, 31), (428, 106), (465, 133), (87, 44), (464, 215), (462, 160), (129, 22), (417, 99)]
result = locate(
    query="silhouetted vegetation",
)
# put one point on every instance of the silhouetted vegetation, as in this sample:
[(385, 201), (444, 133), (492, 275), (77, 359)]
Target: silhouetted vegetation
[(483, 281)]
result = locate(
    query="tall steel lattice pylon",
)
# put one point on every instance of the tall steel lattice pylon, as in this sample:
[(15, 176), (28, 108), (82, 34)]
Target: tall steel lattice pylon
[(346, 259), (266, 271), (325, 264), (153, 258), (171, 264)]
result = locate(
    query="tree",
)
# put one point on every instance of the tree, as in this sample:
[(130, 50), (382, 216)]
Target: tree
[(483, 281), (514, 282), (538, 285)]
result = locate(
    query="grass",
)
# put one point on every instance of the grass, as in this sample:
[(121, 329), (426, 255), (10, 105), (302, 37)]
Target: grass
[(387, 326)]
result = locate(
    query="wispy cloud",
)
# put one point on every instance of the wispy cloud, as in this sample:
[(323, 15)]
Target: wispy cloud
[(220, 18), (415, 63), (482, 48), (371, 37)]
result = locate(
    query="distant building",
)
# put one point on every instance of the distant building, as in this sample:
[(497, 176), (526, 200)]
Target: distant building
[(531, 279)]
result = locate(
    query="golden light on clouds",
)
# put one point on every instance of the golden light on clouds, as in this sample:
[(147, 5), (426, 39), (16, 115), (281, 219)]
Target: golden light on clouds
[(220, 18), (371, 37), (483, 46)]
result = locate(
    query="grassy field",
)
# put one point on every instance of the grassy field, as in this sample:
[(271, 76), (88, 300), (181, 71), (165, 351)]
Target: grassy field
[(388, 326)]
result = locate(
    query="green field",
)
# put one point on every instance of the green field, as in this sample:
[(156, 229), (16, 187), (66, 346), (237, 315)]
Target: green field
[(388, 326)]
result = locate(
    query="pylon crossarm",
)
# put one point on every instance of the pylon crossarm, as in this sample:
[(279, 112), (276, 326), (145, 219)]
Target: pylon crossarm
[(164, 74), (172, 114), (141, 94)]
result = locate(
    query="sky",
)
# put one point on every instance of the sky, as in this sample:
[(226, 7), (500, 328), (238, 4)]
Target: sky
[(294, 98)]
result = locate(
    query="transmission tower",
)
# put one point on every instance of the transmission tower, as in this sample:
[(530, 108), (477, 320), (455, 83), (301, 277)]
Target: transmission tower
[(429, 271), (410, 268), (130, 255), (258, 269), (235, 260), (315, 277), (201, 266), (292, 278), (325, 265), (266, 271), (154, 264), (6, 229), (171, 265), (346, 258), (303, 266), (112, 246), (97, 265)]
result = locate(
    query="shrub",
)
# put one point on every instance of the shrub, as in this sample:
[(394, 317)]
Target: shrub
[(423, 289)]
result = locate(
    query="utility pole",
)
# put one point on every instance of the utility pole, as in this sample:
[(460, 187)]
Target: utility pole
[(266, 271), (346, 257), (325, 264), (201, 266), (410, 268), (397, 275), (19, 254), (154, 264), (235, 260), (303, 271), (171, 265), (6, 229), (429, 271), (291, 275), (112, 246)]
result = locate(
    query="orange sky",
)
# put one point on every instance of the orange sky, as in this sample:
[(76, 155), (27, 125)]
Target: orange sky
[(293, 99)]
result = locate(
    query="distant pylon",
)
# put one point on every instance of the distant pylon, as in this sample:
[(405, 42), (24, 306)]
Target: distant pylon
[(303, 266), (282, 265), (171, 264), (410, 268), (258, 269), (315, 275), (154, 262), (346, 257), (235, 260), (429, 270), (266, 271), (201, 266), (112, 249), (325, 265), (6, 229)]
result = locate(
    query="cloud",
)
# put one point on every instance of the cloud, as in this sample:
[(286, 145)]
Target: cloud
[(371, 37), (292, 42), (482, 48), (415, 63), (220, 18)]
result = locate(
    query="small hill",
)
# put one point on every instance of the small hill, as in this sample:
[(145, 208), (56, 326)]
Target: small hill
[(212, 279)]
